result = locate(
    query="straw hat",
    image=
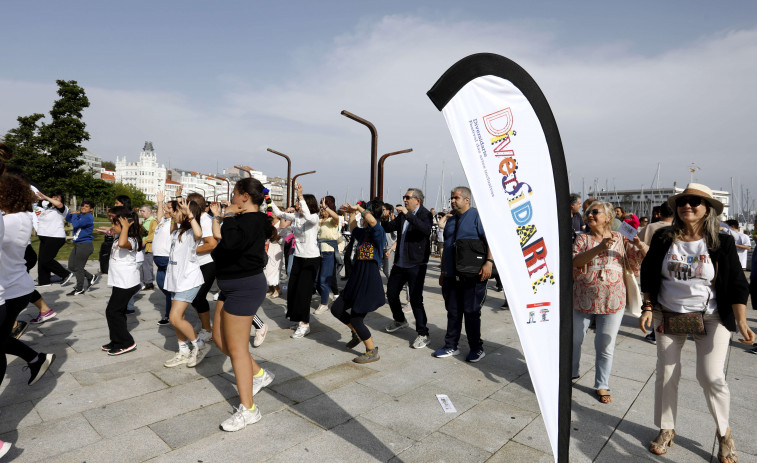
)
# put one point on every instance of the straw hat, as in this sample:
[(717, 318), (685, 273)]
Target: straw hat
[(702, 191)]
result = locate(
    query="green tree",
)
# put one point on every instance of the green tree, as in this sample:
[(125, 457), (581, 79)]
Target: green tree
[(110, 165), (137, 197), (84, 186), (50, 153)]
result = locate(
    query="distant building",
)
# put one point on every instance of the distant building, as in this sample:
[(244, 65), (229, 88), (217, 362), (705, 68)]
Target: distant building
[(641, 202), (146, 175), (92, 163), (172, 188), (278, 187), (108, 175)]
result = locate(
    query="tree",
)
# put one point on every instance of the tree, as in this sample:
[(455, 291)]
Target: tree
[(137, 197), (84, 186), (110, 165), (50, 154)]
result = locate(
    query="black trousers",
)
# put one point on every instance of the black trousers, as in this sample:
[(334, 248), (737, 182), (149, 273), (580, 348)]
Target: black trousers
[(300, 289), (208, 275), (414, 278), (348, 257), (349, 317), (115, 314), (48, 250), (104, 255), (9, 344), (463, 301)]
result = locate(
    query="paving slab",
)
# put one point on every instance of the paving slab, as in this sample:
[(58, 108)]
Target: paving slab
[(325, 380), (340, 405), (441, 447), (138, 445), (49, 438)]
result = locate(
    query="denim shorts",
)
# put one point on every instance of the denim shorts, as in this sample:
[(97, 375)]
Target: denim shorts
[(186, 296)]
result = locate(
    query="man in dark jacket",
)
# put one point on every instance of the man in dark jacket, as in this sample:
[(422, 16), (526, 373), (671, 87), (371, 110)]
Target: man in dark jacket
[(413, 227)]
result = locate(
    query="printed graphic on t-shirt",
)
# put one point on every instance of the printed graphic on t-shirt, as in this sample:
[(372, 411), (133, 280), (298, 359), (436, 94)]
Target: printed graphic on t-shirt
[(685, 267)]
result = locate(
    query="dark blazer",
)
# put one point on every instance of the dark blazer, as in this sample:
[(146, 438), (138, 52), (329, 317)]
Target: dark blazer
[(416, 247), (731, 286)]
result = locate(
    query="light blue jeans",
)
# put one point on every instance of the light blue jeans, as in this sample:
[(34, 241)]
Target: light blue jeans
[(604, 343)]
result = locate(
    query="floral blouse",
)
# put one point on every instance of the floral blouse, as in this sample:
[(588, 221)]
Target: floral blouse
[(598, 286)]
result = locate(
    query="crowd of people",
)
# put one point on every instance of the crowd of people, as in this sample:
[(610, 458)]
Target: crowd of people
[(690, 266)]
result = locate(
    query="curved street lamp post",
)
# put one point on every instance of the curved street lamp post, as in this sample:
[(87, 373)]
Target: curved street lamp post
[(294, 179), (381, 170), (289, 172), (374, 147)]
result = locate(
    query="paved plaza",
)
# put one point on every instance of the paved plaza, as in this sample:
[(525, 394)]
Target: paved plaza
[(323, 407)]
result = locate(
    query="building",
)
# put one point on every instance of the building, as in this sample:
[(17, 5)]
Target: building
[(92, 163), (172, 188), (278, 190), (146, 175), (641, 202), (107, 175)]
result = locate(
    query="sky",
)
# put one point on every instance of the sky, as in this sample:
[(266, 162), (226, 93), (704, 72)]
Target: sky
[(213, 84)]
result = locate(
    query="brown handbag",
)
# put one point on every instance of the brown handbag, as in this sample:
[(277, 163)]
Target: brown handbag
[(682, 323)]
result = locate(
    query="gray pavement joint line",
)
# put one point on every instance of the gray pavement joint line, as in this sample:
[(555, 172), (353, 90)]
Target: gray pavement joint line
[(623, 418)]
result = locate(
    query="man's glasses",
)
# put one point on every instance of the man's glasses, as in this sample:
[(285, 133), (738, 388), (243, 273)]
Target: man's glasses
[(407, 197), (692, 201), (593, 212)]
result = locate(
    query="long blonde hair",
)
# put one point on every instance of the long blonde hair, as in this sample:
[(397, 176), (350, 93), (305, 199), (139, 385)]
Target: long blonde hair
[(710, 228)]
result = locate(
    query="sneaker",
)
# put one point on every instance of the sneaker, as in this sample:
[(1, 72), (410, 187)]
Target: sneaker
[(130, 311), (395, 325), (260, 336), (122, 350), (241, 418), (19, 329), (197, 354), (39, 367), (106, 347), (322, 309), (371, 355), (407, 308), (354, 341), (47, 285), (301, 331), (446, 352), (420, 342), (753, 350), (5, 447), (650, 338), (43, 317), (496, 288), (68, 277), (148, 287), (75, 292), (261, 382), (163, 322), (179, 359), (204, 335), (504, 306), (215, 296), (475, 355), (95, 278)]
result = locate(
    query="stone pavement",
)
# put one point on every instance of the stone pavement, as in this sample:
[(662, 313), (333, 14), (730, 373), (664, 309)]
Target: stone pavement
[(323, 407)]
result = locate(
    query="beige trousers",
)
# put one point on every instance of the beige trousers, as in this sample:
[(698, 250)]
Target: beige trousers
[(712, 349)]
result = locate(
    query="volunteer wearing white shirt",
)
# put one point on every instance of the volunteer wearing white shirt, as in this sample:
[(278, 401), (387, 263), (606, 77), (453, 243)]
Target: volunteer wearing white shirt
[(183, 280), (743, 242), (51, 218), (123, 277), (161, 247), (17, 285), (306, 259), (207, 266)]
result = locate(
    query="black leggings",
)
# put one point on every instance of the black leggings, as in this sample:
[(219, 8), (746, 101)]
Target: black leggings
[(201, 300), (9, 344), (31, 260), (48, 250), (115, 314), (349, 317)]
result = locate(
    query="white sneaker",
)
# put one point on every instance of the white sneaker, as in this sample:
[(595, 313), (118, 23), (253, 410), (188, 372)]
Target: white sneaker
[(420, 342), (179, 359), (205, 336), (215, 296), (263, 381), (260, 336), (322, 309), (197, 354), (301, 331), (241, 418)]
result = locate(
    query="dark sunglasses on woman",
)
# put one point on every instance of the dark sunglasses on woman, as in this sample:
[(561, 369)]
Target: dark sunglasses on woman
[(692, 201)]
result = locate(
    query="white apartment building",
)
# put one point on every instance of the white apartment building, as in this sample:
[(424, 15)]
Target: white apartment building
[(92, 163), (146, 175)]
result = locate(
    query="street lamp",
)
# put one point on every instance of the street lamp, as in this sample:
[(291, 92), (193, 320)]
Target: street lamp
[(381, 170), (289, 171), (374, 147), (203, 191), (214, 190), (246, 170), (294, 179)]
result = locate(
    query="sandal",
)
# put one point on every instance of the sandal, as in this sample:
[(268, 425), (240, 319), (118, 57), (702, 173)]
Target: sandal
[(660, 445), (604, 398), (727, 451)]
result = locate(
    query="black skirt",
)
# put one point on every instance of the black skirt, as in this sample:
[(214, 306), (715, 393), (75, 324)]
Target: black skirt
[(364, 291)]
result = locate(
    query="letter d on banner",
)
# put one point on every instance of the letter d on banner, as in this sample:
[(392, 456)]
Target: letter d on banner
[(490, 102)]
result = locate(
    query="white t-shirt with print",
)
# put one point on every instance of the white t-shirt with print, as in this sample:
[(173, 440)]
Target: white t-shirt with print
[(161, 242), (122, 269), (743, 239), (50, 222), (687, 274), (14, 279), (206, 223), (183, 272)]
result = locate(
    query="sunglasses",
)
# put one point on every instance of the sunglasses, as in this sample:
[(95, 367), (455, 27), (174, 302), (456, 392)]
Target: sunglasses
[(407, 197), (593, 212), (692, 201)]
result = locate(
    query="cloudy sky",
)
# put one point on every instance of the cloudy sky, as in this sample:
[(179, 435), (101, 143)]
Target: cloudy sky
[(631, 84)]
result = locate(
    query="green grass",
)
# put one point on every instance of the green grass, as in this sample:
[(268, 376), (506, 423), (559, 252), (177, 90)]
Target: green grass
[(65, 251)]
